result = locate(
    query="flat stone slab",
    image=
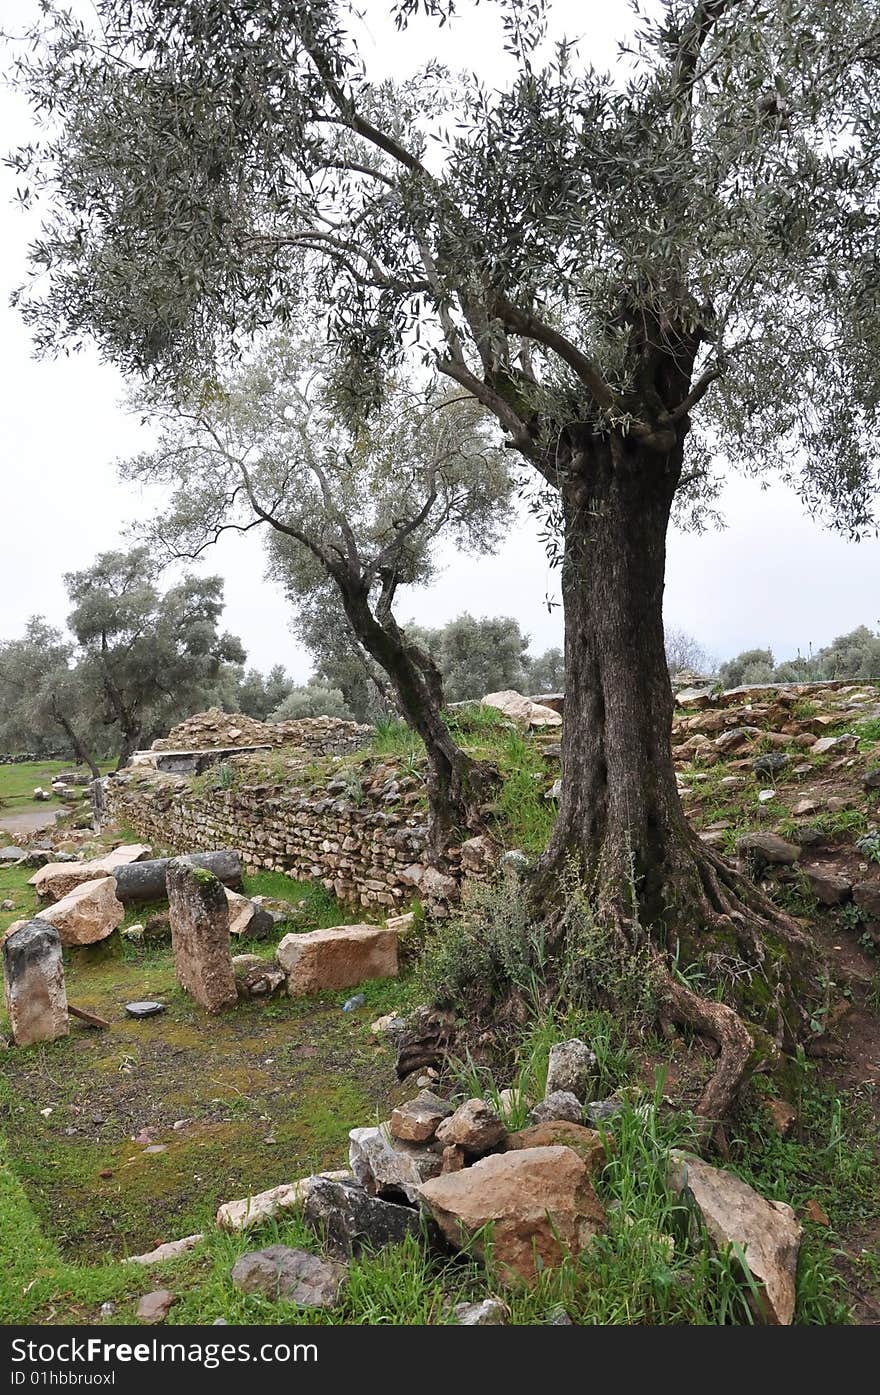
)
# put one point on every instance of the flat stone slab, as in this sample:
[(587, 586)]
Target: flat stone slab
[(339, 958), (147, 1008)]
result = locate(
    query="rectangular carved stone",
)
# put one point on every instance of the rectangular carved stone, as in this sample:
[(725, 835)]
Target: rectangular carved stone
[(199, 915), (33, 972), (338, 958)]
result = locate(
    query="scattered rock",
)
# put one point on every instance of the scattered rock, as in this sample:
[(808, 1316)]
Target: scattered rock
[(570, 1069), (816, 1213), (867, 896), (172, 1250), (454, 1158), (540, 1203), (770, 763), (759, 850), (782, 1115), (871, 779), (734, 1213), (349, 1219), (838, 744), (474, 1126), (556, 1133), (262, 1206), (827, 884), (490, 1312), (281, 1272), (603, 1111), (390, 1025), (339, 958), (145, 1008), (87, 914), (155, 1307), (246, 918), (562, 1104), (417, 1120), (386, 1167)]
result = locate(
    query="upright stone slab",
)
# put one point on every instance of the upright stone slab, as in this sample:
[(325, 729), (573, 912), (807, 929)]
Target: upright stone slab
[(34, 977), (200, 935)]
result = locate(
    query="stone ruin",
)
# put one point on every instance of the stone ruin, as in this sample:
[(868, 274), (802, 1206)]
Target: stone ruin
[(33, 972), (200, 935)]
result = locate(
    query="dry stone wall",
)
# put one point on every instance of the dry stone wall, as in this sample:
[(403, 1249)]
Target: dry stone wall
[(369, 853)]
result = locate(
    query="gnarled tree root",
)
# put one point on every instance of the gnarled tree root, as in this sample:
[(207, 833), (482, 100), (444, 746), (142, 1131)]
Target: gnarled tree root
[(723, 1025)]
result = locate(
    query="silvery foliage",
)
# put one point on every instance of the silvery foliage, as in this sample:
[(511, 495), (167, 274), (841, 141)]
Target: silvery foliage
[(215, 165)]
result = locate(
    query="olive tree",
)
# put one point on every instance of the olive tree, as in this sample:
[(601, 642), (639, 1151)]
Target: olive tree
[(150, 655), (357, 506), (632, 271), (44, 694)]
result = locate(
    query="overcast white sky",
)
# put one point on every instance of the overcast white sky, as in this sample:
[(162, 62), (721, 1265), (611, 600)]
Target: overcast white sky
[(771, 578)]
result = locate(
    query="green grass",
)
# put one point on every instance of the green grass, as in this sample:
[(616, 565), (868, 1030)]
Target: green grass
[(18, 782), (320, 910)]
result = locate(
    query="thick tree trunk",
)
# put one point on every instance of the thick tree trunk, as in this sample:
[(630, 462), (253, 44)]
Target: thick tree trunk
[(130, 742), (621, 822)]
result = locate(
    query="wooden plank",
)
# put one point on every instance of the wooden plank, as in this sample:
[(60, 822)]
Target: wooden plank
[(90, 1018)]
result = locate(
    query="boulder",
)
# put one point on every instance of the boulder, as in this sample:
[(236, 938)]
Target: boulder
[(521, 709), (339, 958), (768, 1232), (281, 1272), (571, 1068), (474, 1126), (200, 935), (386, 1167), (33, 974), (540, 1203), (417, 1121), (11, 854), (559, 1133), (349, 1219), (87, 914)]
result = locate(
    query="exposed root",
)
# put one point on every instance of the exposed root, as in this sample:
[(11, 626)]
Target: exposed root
[(703, 896), (722, 1025)]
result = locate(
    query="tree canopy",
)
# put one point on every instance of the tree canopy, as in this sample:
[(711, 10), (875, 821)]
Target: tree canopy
[(220, 166)]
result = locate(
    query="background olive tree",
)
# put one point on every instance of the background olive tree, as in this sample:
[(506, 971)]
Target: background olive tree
[(356, 506)]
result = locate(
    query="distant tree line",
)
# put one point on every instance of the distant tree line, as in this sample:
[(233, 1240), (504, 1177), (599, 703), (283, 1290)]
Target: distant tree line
[(854, 655)]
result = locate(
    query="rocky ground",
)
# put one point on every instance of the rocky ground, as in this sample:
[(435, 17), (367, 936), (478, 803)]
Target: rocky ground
[(119, 1140)]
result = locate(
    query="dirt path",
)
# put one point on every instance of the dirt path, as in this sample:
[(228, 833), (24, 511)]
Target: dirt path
[(33, 822)]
